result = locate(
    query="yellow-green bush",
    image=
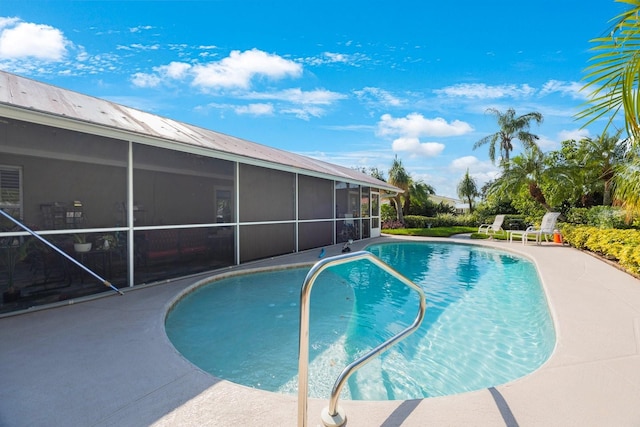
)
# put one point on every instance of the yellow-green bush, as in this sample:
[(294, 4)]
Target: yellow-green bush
[(622, 246)]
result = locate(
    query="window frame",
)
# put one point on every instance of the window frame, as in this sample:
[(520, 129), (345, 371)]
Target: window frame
[(8, 206)]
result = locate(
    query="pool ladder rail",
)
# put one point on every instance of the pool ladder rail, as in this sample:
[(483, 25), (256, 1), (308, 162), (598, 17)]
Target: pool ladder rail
[(333, 415)]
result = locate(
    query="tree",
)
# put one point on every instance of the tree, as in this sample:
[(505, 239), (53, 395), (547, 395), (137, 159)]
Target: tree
[(399, 177), (602, 154), (377, 173), (371, 171), (511, 128), (613, 76), (526, 170), (568, 163), (468, 189), (418, 192), (614, 81), (627, 185)]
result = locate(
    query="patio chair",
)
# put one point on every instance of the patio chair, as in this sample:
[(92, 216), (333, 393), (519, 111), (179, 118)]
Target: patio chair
[(546, 229), (492, 228)]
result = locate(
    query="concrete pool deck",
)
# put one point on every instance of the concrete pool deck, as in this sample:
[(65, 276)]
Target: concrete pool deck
[(108, 362)]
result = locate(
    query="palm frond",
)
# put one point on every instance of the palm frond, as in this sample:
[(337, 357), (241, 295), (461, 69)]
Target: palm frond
[(613, 77)]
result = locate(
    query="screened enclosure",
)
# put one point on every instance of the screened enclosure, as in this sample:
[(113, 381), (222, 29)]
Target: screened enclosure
[(137, 198)]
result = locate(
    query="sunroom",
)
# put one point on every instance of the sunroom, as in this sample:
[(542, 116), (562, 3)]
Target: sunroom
[(152, 198)]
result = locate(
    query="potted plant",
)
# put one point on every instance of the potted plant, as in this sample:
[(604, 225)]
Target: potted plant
[(80, 243), (106, 242)]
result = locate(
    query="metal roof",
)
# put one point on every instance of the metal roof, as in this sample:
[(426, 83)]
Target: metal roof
[(29, 100)]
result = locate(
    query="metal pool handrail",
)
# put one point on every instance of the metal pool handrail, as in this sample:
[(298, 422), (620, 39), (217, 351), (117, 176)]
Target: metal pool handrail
[(333, 415)]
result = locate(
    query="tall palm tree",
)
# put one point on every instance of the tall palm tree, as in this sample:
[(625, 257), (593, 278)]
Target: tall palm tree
[(399, 177), (511, 128), (468, 189)]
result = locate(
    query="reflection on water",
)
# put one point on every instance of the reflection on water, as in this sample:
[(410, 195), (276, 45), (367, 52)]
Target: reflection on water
[(486, 323)]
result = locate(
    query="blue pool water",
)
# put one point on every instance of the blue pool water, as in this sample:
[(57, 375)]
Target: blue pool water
[(487, 323)]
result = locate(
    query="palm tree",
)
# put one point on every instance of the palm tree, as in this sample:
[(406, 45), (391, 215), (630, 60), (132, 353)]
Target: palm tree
[(602, 154), (468, 189), (575, 166), (526, 170), (400, 178), (614, 81), (613, 76), (511, 127), (418, 191), (627, 185)]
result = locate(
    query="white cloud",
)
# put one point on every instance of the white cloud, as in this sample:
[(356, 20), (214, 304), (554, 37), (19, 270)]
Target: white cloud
[(298, 96), (483, 91), (174, 70), (240, 68), (305, 112), (140, 28), (571, 89), (415, 125), (300, 104), (373, 95), (336, 58), (138, 46), (546, 144), (145, 80), (417, 148), (235, 71), (19, 40), (464, 163), (8, 21), (481, 171), (477, 167), (575, 134), (255, 109)]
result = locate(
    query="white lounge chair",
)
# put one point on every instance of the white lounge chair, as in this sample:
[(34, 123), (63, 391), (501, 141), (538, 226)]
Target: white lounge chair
[(492, 228), (546, 229)]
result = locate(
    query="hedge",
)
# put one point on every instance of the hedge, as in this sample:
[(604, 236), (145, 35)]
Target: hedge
[(618, 245), (442, 220)]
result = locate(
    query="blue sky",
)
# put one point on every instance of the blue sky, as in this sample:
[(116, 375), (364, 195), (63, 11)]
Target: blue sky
[(350, 82)]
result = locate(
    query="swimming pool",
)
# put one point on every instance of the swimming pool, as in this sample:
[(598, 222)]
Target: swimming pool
[(487, 323)]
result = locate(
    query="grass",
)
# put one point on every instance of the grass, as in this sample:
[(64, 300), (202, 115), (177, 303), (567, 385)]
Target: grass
[(430, 232), (446, 232)]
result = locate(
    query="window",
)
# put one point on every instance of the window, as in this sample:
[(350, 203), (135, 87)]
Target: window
[(11, 190)]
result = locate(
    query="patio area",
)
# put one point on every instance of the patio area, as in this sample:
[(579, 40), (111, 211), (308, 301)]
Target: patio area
[(108, 362)]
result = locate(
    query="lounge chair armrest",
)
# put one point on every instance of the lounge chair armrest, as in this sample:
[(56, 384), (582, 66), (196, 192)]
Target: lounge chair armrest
[(484, 227)]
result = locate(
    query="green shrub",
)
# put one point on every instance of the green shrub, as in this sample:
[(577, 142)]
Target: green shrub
[(622, 246), (417, 221), (387, 212), (598, 216), (468, 220), (440, 220), (578, 216)]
